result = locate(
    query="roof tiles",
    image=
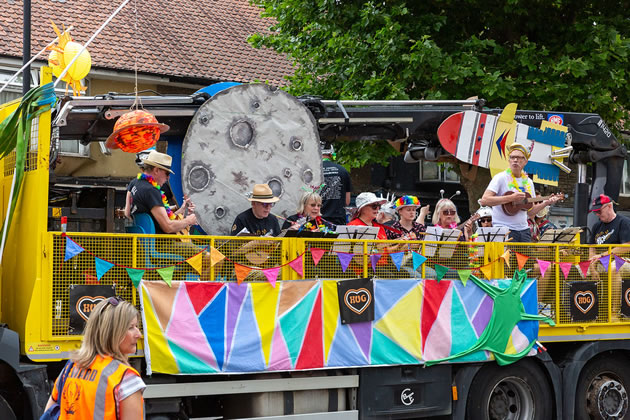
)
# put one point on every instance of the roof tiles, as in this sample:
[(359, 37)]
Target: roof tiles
[(190, 39)]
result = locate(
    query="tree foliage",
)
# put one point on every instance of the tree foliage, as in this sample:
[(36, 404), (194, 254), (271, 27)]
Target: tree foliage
[(570, 55)]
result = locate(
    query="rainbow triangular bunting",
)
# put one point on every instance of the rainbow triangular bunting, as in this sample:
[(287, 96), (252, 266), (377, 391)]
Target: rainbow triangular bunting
[(440, 271), (397, 258), (464, 275), (506, 257), (418, 260), (374, 260), (102, 267), (521, 259), (272, 275), (167, 274), (196, 262), (619, 262), (317, 254), (344, 260), (215, 256), (241, 272), (72, 249), (486, 270), (296, 265), (565, 267), (544, 265), (135, 275), (584, 265)]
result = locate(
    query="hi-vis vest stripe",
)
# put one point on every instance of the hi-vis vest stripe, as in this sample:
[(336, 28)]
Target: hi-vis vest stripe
[(101, 390)]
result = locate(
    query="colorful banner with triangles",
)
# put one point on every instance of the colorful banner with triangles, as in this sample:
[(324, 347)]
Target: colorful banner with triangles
[(213, 327)]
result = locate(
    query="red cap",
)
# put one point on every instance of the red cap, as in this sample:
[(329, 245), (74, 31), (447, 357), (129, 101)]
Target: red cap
[(600, 201)]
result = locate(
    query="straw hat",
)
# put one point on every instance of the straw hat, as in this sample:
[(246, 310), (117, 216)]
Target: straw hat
[(159, 160), (263, 194)]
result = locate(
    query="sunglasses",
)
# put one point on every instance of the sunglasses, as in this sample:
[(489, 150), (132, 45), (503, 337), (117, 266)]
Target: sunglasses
[(486, 220), (374, 206), (449, 212), (114, 300), (267, 204)]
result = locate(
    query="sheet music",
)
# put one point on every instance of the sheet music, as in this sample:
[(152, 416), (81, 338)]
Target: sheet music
[(492, 234), (436, 233), (563, 236), (354, 232)]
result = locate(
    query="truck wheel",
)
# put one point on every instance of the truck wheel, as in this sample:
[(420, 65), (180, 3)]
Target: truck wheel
[(6, 412), (515, 392), (602, 390)]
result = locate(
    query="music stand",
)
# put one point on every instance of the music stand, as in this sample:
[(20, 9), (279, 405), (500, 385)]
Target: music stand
[(438, 234), (492, 234), (563, 236), (354, 232)]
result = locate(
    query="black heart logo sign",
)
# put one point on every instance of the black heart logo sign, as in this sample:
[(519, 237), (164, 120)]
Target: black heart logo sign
[(357, 299), (584, 301), (86, 304)]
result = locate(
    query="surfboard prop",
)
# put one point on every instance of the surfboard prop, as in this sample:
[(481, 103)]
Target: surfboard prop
[(482, 140)]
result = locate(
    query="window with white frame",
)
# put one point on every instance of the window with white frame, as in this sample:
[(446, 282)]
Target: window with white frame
[(433, 171)]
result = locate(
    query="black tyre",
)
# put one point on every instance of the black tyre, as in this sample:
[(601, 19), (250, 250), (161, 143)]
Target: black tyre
[(519, 391), (6, 412), (602, 390)]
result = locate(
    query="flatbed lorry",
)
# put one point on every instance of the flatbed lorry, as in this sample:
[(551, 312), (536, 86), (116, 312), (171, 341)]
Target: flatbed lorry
[(577, 369)]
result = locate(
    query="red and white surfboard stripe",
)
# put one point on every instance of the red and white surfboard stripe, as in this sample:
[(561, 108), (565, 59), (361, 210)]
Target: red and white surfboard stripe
[(475, 136)]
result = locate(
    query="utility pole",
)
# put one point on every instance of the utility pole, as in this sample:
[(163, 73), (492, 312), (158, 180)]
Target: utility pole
[(26, 47)]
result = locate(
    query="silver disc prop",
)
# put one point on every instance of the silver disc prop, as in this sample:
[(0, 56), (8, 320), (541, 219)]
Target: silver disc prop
[(246, 135)]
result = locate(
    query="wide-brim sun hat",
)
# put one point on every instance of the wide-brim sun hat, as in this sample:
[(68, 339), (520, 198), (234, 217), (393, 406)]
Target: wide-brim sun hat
[(159, 160), (135, 131), (367, 198), (543, 212), (407, 201), (263, 194)]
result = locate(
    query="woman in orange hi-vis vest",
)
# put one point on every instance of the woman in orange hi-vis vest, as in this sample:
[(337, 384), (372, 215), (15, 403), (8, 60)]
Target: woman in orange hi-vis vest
[(98, 382)]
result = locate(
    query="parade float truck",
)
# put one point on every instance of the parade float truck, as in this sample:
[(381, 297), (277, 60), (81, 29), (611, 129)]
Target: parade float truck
[(311, 322)]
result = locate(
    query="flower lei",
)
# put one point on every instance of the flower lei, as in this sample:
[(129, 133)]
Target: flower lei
[(319, 226), (451, 226), (514, 185), (151, 181)]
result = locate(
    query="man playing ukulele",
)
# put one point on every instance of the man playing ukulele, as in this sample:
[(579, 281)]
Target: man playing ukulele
[(146, 196), (513, 180)]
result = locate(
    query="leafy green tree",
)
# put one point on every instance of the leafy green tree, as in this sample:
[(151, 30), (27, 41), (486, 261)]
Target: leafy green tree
[(543, 54)]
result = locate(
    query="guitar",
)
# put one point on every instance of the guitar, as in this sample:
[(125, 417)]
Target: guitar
[(513, 208)]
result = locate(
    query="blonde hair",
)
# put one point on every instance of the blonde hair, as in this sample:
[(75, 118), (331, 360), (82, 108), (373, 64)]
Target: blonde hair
[(306, 197), (444, 203), (104, 331)]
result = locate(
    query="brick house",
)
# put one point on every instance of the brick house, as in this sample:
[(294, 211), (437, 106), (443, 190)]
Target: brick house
[(178, 46)]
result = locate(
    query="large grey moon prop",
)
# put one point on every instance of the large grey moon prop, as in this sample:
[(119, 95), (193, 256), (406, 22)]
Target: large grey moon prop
[(246, 135)]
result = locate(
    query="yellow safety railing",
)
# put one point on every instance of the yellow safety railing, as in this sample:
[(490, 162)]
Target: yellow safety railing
[(150, 252)]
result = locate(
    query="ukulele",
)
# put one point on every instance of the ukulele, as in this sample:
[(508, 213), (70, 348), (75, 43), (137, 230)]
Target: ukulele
[(513, 208)]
